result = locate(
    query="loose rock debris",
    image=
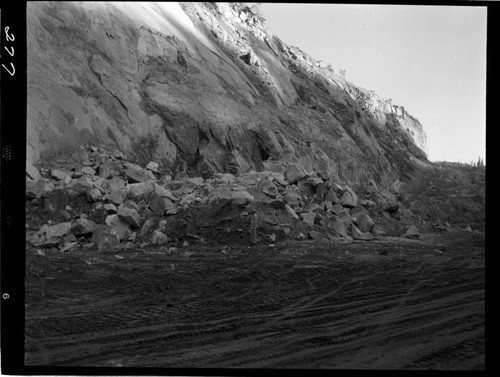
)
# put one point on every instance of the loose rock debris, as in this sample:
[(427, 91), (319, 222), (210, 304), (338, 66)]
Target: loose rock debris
[(99, 199)]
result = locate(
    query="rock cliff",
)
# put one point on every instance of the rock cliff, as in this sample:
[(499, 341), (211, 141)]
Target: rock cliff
[(203, 88)]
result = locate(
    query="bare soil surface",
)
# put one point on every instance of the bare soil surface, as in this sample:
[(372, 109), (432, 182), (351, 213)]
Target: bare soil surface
[(391, 303)]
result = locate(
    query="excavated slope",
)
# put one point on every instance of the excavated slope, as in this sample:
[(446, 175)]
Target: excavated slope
[(203, 88)]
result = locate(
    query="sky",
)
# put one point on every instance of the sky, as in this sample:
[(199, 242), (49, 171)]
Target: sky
[(429, 59)]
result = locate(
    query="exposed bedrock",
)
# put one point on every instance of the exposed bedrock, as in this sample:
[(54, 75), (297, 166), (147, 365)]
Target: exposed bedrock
[(202, 88)]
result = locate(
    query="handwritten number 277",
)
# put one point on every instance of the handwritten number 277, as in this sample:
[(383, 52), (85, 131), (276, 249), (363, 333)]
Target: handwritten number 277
[(10, 38)]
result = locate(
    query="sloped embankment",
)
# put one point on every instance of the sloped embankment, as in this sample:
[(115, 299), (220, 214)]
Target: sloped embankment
[(202, 88)]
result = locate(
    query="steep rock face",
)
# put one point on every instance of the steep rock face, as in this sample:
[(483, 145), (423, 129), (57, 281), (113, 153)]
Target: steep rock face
[(380, 109), (203, 88)]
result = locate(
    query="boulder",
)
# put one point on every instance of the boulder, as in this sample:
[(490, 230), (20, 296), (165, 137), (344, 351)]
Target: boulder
[(344, 216), (118, 155), (308, 218), (320, 213), (292, 199), (340, 228), (108, 207), (67, 180), (98, 182), (181, 175), (366, 237), (122, 229), (242, 197), (413, 232), (269, 189), (105, 237), (58, 230), (154, 167), (32, 172), (132, 205), (316, 199), (117, 197), (94, 194), (364, 222), (172, 211), (377, 230), (148, 227), (349, 199), (113, 184), (38, 189), (311, 207), (226, 178), (305, 188), (67, 216), (270, 238), (80, 185), (55, 201), (188, 186), (80, 156), (32, 190), (337, 188), (314, 181), (277, 204), (163, 192), (367, 203), (59, 174), (141, 190), (278, 178), (137, 174), (293, 173), (356, 211), (291, 211), (164, 179), (355, 232), (51, 241), (159, 238), (42, 230), (87, 170), (68, 246), (110, 168), (160, 204), (359, 235), (391, 207), (187, 200), (331, 196), (198, 181), (326, 205), (83, 227), (337, 208), (129, 215), (315, 235), (321, 190)]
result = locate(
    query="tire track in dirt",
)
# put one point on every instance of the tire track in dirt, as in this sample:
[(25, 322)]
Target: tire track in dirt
[(269, 310)]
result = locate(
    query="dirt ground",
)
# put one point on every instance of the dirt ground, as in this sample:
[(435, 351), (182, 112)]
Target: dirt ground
[(391, 303)]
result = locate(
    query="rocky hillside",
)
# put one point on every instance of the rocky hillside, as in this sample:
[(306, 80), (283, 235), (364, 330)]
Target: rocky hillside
[(162, 125), (202, 88)]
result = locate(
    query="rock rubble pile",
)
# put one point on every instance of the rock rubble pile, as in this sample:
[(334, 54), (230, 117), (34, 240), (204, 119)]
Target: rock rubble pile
[(97, 198)]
